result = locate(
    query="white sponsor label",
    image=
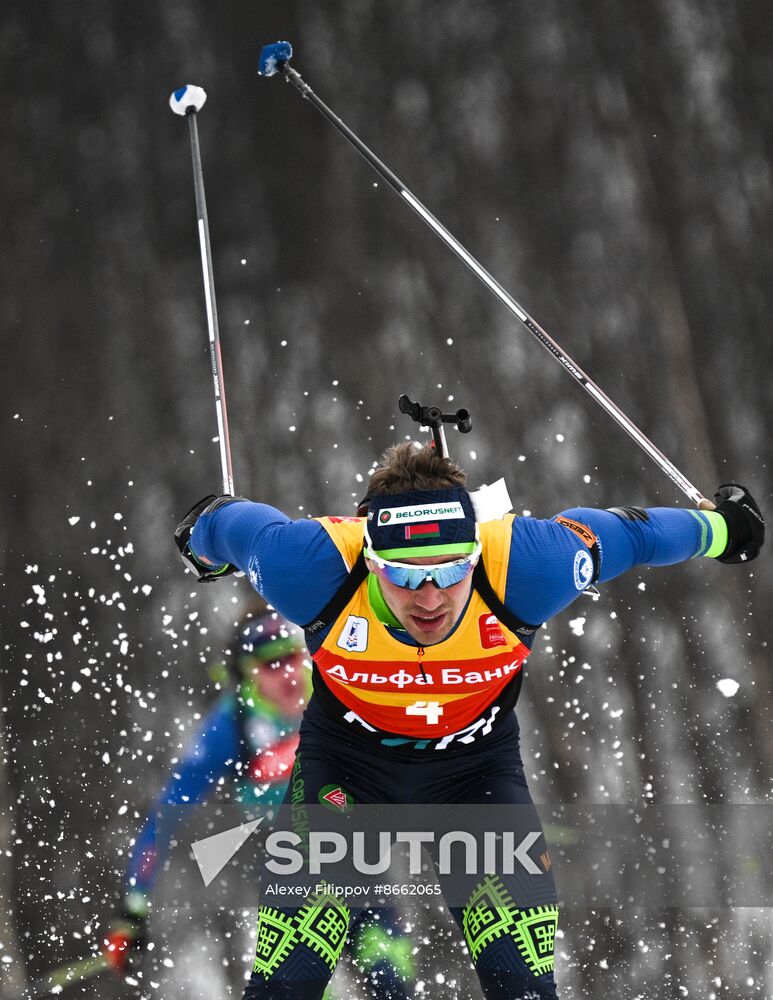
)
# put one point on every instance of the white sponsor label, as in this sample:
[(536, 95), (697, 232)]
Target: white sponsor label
[(354, 635), (491, 503), (421, 512)]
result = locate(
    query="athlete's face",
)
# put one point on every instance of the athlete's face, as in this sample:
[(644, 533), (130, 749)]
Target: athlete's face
[(429, 613), (282, 683)]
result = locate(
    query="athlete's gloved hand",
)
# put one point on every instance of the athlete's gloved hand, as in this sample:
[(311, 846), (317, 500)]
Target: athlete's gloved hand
[(182, 536), (124, 943), (745, 523)]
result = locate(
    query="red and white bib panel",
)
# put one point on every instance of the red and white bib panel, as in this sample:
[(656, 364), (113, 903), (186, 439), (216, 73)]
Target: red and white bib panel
[(421, 692)]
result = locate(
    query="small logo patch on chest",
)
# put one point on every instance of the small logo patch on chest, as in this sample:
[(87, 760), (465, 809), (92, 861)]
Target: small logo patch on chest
[(491, 634), (354, 635)]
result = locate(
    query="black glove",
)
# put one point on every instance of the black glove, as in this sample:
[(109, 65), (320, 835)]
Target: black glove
[(745, 523), (182, 536)]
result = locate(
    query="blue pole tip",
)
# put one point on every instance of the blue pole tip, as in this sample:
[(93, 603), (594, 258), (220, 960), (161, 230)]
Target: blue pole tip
[(273, 57)]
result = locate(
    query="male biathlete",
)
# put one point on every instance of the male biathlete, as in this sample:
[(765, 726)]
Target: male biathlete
[(249, 737), (419, 620)]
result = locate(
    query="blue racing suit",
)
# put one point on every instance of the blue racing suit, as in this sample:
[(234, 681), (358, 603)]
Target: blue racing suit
[(540, 568)]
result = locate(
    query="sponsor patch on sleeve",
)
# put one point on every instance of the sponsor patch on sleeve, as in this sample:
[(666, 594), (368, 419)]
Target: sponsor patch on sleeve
[(582, 531), (583, 569)]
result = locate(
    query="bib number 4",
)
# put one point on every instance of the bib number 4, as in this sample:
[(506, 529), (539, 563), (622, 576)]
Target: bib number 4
[(431, 710)]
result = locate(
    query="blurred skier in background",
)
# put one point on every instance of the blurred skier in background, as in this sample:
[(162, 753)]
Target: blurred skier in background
[(249, 737)]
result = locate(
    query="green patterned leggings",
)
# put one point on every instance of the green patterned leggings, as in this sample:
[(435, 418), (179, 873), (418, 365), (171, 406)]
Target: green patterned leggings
[(511, 948)]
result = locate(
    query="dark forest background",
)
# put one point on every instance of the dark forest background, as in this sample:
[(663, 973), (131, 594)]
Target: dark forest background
[(610, 163)]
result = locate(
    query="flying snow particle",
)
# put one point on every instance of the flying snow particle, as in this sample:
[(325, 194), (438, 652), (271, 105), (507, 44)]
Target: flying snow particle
[(727, 686), (577, 625), (72, 521)]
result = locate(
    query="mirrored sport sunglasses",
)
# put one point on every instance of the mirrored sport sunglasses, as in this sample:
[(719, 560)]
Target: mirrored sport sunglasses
[(411, 577)]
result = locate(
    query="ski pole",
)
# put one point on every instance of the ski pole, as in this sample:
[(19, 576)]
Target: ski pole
[(188, 101), (53, 982), (276, 59)]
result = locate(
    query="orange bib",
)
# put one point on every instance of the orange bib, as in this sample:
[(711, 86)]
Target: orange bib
[(421, 692)]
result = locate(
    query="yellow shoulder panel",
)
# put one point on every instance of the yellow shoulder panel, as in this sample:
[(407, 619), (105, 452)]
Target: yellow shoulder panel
[(347, 534), (495, 537)]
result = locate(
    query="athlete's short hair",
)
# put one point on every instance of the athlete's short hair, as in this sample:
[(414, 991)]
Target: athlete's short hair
[(404, 467)]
